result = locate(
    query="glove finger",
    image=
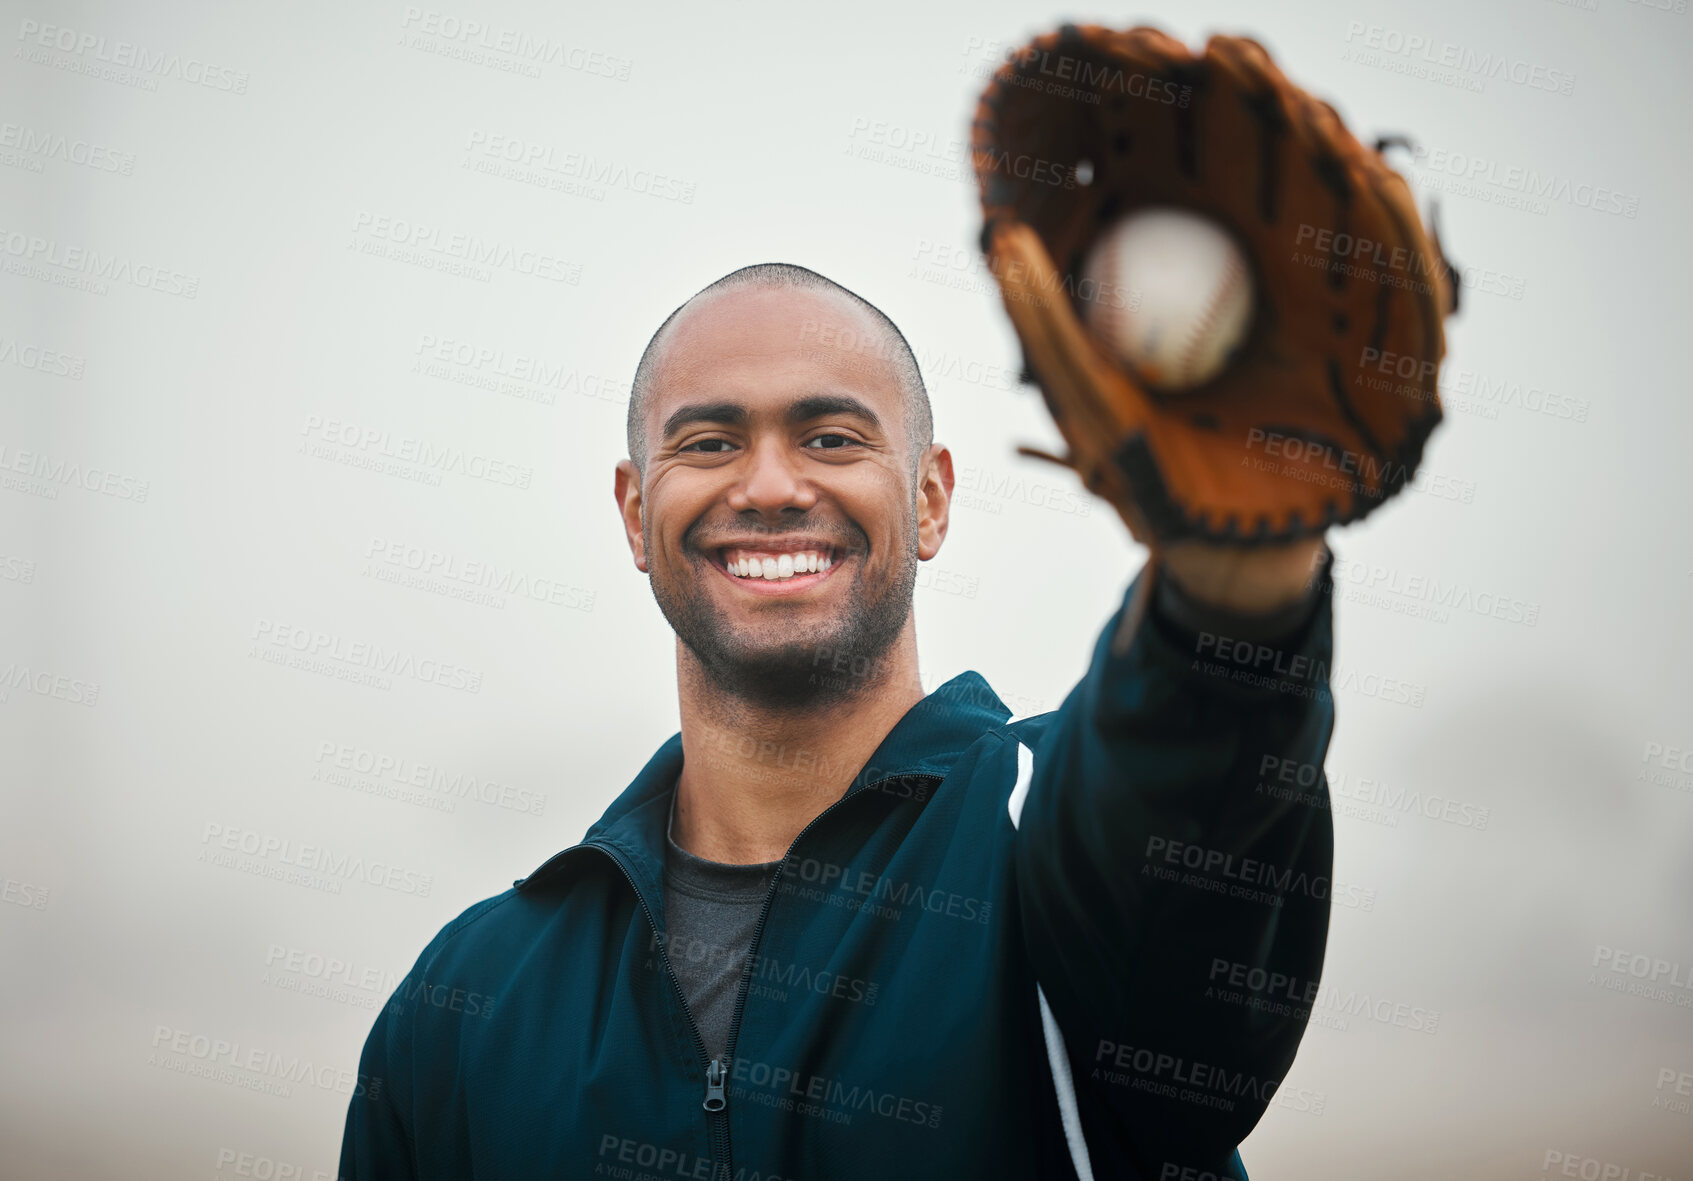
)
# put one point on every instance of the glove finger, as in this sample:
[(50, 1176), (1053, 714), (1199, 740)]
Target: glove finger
[(1344, 278), (1361, 286), (1031, 132), (1241, 109), (1088, 396), (1136, 135)]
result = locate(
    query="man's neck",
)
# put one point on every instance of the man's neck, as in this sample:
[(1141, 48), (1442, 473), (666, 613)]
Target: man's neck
[(753, 778)]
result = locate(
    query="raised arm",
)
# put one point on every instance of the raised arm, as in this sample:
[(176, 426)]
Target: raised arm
[(1159, 867)]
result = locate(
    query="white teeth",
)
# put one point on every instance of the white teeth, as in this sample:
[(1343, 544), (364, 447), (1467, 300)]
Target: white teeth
[(778, 567)]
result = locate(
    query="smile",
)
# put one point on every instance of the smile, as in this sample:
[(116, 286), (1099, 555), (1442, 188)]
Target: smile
[(771, 569)]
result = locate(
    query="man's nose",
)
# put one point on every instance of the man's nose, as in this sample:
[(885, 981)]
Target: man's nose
[(773, 478)]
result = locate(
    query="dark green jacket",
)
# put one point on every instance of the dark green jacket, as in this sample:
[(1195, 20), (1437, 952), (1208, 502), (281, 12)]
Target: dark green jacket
[(1055, 946)]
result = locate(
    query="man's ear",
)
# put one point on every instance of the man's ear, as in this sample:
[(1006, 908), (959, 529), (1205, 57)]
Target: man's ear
[(934, 499), (627, 487)]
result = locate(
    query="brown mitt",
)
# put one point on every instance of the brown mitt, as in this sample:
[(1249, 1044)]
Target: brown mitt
[(1322, 411)]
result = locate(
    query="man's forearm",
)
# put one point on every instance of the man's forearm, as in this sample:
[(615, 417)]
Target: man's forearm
[(1194, 615), (1248, 581), (1147, 855)]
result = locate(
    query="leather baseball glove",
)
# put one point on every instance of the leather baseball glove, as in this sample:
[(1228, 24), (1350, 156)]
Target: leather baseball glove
[(1322, 412)]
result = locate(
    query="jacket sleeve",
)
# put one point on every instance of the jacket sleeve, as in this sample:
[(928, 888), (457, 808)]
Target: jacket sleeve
[(377, 1142), (1173, 857), (379, 1139)]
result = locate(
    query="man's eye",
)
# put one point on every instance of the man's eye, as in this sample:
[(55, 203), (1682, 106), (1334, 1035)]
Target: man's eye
[(706, 443), (845, 441)]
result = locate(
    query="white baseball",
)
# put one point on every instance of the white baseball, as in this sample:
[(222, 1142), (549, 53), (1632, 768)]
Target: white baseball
[(1169, 292)]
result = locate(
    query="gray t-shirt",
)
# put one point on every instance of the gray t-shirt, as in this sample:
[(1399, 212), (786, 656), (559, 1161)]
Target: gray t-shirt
[(711, 909), (710, 912)]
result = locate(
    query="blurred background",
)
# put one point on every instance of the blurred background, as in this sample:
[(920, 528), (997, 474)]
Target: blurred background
[(317, 323)]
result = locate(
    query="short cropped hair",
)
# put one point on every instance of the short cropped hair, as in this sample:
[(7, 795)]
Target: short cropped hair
[(919, 418)]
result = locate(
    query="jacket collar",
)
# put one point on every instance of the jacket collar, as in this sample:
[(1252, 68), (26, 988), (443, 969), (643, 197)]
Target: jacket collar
[(927, 740)]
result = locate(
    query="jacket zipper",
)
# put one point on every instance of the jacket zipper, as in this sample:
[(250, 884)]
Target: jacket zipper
[(716, 1101), (770, 897)]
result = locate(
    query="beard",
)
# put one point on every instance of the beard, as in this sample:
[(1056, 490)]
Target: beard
[(772, 666)]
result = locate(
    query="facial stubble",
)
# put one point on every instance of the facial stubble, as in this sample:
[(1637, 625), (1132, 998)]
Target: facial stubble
[(766, 665)]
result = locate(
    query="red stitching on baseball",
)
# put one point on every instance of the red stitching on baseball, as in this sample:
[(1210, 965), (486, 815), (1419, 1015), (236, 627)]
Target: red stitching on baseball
[(1232, 278)]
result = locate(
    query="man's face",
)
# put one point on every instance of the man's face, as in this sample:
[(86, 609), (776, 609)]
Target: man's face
[(778, 518)]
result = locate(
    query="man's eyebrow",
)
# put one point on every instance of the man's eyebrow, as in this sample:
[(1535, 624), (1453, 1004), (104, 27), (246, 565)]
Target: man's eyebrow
[(804, 410), (823, 405), (727, 412)]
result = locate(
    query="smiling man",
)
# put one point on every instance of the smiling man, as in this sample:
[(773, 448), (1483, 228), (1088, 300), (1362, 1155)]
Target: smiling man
[(840, 928)]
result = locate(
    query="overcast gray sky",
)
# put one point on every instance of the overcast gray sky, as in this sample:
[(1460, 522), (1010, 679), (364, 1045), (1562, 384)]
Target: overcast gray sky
[(279, 320)]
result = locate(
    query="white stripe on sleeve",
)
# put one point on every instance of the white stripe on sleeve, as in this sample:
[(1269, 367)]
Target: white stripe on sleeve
[(1056, 1056)]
